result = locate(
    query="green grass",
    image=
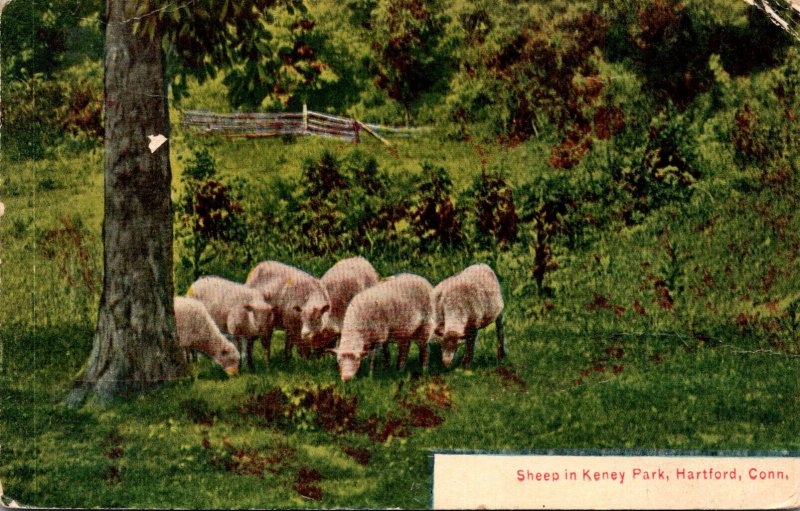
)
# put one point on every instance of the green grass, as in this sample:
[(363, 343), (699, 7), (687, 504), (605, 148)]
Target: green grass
[(578, 375)]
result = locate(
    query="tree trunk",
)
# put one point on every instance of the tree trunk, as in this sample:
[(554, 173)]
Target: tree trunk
[(134, 344)]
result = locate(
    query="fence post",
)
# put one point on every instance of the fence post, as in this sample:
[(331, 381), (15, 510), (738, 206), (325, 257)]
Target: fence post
[(305, 118)]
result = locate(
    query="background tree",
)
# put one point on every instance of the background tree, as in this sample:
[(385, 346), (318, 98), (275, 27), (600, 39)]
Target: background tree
[(406, 48), (49, 51)]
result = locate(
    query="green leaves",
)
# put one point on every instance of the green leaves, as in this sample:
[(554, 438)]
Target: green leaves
[(208, 211), (218, 34), (406, 44)]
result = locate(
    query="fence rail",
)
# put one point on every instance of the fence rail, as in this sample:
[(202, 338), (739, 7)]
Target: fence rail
[(277, 124)]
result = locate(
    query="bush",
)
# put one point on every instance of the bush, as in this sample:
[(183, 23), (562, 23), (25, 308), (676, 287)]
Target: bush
[(540, 79), (435, 218), (39, 112), (208, 211), (492, 210), (340, 205)]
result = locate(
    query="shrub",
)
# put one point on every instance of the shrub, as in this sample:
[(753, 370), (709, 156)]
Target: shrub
[(209, 210), (39, 111), (541, 80), (340, 205), (492, 212), (435, 219)]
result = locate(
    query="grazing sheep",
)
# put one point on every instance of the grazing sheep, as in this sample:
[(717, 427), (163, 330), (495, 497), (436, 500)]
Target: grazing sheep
[(197, 331), (236, 309), (300, 303), (464, 303), (343, 281), (397, 308)]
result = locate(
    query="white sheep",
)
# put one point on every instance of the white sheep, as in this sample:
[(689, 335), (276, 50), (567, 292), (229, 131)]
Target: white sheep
[(464, 303), (237, 310), (343, 281), (300, 302), (397, 309), (197, 331)]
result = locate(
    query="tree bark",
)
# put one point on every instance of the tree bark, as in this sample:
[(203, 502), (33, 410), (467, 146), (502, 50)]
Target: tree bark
[(134, 345)]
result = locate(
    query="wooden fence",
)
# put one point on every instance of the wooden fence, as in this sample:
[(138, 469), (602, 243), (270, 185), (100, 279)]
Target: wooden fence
[(277, 124)]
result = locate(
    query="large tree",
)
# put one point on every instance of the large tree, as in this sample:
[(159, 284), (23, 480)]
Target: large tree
[(148, 44), (134, 344)]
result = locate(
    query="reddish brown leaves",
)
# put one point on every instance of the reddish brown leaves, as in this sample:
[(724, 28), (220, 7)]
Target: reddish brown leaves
[(608, 121), (361, 454), (249, 461), (323, 408), (306, 477), (329, 410), (496, 215), (600, 302), (509, 378), (601, 366), (270, 405), (113, 451)]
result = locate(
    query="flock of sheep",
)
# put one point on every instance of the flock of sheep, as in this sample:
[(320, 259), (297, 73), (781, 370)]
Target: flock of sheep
[(350, 303)]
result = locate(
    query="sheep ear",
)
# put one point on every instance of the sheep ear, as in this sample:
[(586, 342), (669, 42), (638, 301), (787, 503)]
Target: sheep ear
[(255, 307)]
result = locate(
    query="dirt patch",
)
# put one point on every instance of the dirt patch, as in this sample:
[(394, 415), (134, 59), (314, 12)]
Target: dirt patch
[(608, 362), (113, 450), (304, 485), (508, 378), (332, 412), (114, 477), (244, 461), (317, 407), (281, 460), (323, 408), (422, 416), (361, 454), (271, 406), (600, 302)]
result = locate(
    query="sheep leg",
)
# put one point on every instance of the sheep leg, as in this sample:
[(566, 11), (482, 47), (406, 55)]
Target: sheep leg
[(423, 354), (387, 356), (248, 343), (402, 354), (266, 342), (501, 336), (372, 354), (422, 336), (472, 336), (292, 339)]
